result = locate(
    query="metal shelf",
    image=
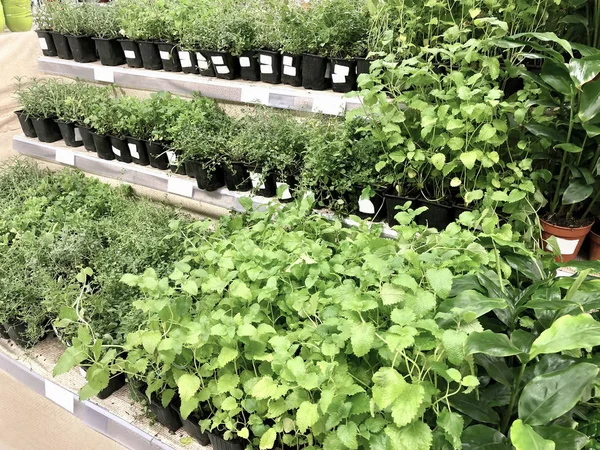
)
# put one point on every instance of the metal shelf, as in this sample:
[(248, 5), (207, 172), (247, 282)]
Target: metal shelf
[(240, 91)]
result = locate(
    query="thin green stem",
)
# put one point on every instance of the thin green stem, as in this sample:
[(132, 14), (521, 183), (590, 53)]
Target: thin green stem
[(513, 399)]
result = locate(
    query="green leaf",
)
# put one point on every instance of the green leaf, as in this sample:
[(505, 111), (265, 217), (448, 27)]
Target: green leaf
[(549, 396), (468, 159), (363, 337), (389, 384), (190, 287), (416, 436), (563, 437), (227, 355), (473, 407), (150, 340), (456, 143), (557, 76), (473, 301), (264, 388), (246, 203), (129, 279), (490, 343), (407, 406), (391, 294), (567, 333), (440, 281), (452, 424), (590, 102), (438, 160), (569, 148), (267, 440), (524, 438), (347, 435), (188, 385), (584, 70), (577, 192), (239, 289), (547, 37), (307, 416), (487, 132), (188, 406), (71, 357), (480, 437)]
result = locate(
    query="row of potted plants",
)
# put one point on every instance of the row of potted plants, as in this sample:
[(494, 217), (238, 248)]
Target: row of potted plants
[(319, 45)]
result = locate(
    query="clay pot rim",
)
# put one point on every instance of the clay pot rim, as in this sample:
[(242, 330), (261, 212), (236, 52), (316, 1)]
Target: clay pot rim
[(567, 229)]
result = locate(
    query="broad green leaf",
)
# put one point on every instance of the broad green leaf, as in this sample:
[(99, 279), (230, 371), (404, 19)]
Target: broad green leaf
[(549, 396), (590, 102), (391, 294), (264, 388), (567, 333), (362, 338), (188, 385), (496, 368), (569, 148), (347, 434), (481, 437), (307, 416), (190, 287), (407, 406), (576, 192), (452, 424), (129, 279), (438, 160), (71, 357), (487, 132), (239, 289), (454, 345), (547, 132), (557, 75), (547, 37), (188, 406), (490, 343), (524, 438), (150, 340), (563, 437), (227, 355), (246, 203), (389, 384), (473, 301), (468, 159), (440, 281), (584, 70), (267, 440), (416, 436), (456, 143), (473, 407)]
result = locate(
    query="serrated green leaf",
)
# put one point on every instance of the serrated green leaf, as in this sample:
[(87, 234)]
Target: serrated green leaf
[(150, 340), (416, 436), (71, 357), (362, 338), (452, 424), (190, 287), (267, 440), (391, 294), (388, 385), (307, 416), (227, 355), (440, 281), (406, 408), (347, 435), (487, 132), (188, 385), (239, 289)]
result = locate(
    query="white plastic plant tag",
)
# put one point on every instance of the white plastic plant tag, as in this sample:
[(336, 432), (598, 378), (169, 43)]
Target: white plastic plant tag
[(341, 70), (165, 55), (181, 187), (266, 59), (338, 79), (217, 60), (366, 206), (244, 61), (289, 71), (200, 57), (256, 182), (78, 137), (129, 54), (172, 157), (266, 69), (82, 373), (65, 156), (105, 74), (133, 151), (566, 246), (116, 151), (185, 59), (223, 70), (59, 395), (203, 65), (43, 43), (286, 194), (288, 61)]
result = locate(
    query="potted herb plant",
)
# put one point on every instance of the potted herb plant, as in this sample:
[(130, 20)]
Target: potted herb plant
[(44, 22), (104, 27), (38, 105), (268, 18), (58, 13), (195, 39), (75, 25), (294, 43), (142, 22)]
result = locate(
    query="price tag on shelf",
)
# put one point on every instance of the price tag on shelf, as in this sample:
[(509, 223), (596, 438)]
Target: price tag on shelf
[(255, 94), (59, 395), (326, 104), (181, 187), (105, 74), (65, 156)]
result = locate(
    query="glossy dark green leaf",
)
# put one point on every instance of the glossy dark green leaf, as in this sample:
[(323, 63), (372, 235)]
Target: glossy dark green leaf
[(549, 396), (552, 363), (584, 70), (470, 405), (564, 438), (585, 50), (548, 37), (530, 267), (590, 102), (557, 75), (577, 192), (496, 368), (570, 148), (568, 333), (591, 130), (490, 343), (472, 301), (524, 437), (547, 132), (481, 437)]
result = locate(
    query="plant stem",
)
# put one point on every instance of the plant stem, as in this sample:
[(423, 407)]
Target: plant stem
[(513, 399), (563, 164), (589, 208)]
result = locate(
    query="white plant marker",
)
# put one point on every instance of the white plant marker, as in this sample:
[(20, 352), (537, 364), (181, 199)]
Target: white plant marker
[(286, 194), (43, 43), (165, 55), (116, 151), (185, 59), (129, 54), (244, 61), (133, 150), (366, 206), (78, 137)]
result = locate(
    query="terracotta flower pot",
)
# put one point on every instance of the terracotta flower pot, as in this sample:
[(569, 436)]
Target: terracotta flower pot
[(569, 239), (595, 245)]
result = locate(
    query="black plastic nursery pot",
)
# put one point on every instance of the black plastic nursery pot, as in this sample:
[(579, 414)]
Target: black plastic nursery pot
[(392, 202), (190, 168), (157, 156), (192, 428), (46, 43), (26, 124), (270, 66), (225, 65), (169, 56), (205, 66), (210, 180), (458, 210), (63, 50), (249, 66), (363, 65), (138, 151), (165, 416), (437, 215), (150, 55), (103, 146), (115, 383), (120, 149), (188, 61), (373, 208), (70, 134), (237, 177), (265, 185), (132, 54), (109, 51), (17, 332), (88, 139), (292, 183), (315, 72), (3, 333), (291, 69), (343, 75), (218, 443), (83, 49), (46, 129)]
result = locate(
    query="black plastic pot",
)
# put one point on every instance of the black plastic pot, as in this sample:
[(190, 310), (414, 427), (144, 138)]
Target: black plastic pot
[(188, 61), (83, 49), (373, 208), (165, 416), (46, 130), (315, 72), (192, 428), (237, 177), (150, 56), (437, 215), (88, 139), (110, 51), (343, 75), (157, 156), (218, 443), (63, 50), (115, 383), (363, 65), (70, 134), (120, 149), (210, 180), (175, 163), (103, 146), (3, 333), (265, 185), (18, 334), (132, 54), (292, 183), (46, 43), (138, 151), (26, 124), (458, 210), (190, 168), (249, 66), (225, 65), (205, 66), (291, 69), (392, 202), (170, 57), (270, 66)]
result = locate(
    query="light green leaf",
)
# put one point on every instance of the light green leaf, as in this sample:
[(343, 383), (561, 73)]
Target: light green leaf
[(188, 385), (456, 143), (590, 102), (72, 357), (389, 384), (438, 160), (452, 424), (440, 281), (190, 287), (567, 333), (406, 408), (307, 416), (347, 434), (468, 159), (416, 436), (227, 355), (524, 438), (391, 294), (264, 388), (267, 440), (487, 132), (239, 289), (362, 338), (188, 406), (150, 340)]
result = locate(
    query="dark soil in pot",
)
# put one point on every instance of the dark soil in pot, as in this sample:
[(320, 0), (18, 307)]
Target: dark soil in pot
[(291, 69), (132, 54), (437, 215), (343, 75), (46, 43), (138, 151), (270, 66), (218, 443), (63, 50), (264, 185), (110, 52), (314, 72), (3, 333), (120, 149), (46, 130), (165, 416), (373, 208), (83, 49), (363, 65), (237, 177), (210, 180), (157, 156), (392, 202), (150, 55), (103, 146), (170, 57), (249, 66), (26, 124), (70, 134), (88, 139), (193, 429), (225, 65), (188, 61), (205, 66)]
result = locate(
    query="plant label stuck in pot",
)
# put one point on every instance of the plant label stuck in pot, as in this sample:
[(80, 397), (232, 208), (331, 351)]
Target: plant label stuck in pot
[(366, 206), (287, 194), (116, 151), (202, 61), (266, 64), (256, 180), (134, 151), (185, 59)]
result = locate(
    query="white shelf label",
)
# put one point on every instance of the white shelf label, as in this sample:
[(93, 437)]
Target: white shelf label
[(185, 59), (288, 61), (59, 395), (341, 70), (105, 74), (43, 43), (133, 151), (165, 55), (244, 61), (266, 69), (328, 105), (116, 151), (217, 60), (78, 137), (290, 71), (286, 194), (366, 206), (129, 54), (181, 187), (253, 94), (65, 156), (266, 59), (223, 70)]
